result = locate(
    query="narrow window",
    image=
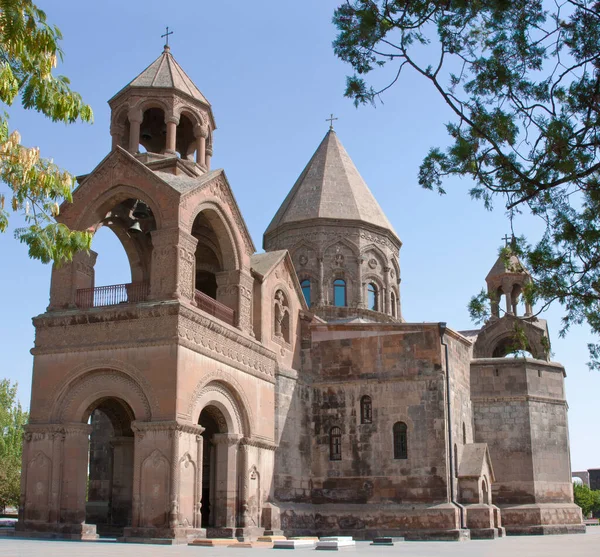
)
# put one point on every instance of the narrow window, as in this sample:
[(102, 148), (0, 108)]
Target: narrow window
[(305, 284), (339, 293), (400, 441), (455, 460), (372, 296), (335, 444), (366, 410), (464, 434), (393, 304)]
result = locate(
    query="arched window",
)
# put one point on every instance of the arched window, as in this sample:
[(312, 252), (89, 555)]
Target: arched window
[(400, 441), (372, 297), (339, 293), (366, 410), (335, 443), (464, 434), (305, 285), (393, 304)]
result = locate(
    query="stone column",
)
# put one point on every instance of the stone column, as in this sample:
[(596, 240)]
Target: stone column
[(209, 153), (174, 495), (201, 133), (386, 298), (135, 123), (136, 511), (171, 145), (507, 292), (321, 293), (361, 299), (198, 487), (173, 265), (58, 447), (244, 491), (226, 479), (116, 133), (244, 311), (74, 477), (122, 480)]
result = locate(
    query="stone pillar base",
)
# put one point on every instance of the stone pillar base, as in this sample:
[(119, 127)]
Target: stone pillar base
[(542, 519), (457, 535), (56, 531), (221, 532), (162, 536), (249, 533)]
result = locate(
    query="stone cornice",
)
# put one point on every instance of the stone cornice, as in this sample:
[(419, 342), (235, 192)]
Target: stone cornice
[(225, 344), (259, 443), (35, 432), (168, 425), (518, 398), (316, 223)]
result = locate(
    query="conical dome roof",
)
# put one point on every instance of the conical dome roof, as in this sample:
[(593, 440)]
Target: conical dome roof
[(166, 73), (330, 187), (506, 265)]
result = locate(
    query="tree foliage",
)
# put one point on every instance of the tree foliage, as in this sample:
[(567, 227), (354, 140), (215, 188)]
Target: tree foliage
[(588, 500), (29, 52), (522, 78), (12, 420)]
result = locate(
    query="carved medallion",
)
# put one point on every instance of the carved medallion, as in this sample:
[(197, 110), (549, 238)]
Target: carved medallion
[(372, 263)]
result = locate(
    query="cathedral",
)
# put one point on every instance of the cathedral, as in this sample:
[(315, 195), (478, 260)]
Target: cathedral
[(225, 393)]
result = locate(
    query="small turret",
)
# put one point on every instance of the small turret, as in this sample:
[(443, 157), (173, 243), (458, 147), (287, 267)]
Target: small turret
[(507, 278), (162, 113)]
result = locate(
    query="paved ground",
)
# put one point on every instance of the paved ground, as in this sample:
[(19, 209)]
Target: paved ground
[(582, 545)]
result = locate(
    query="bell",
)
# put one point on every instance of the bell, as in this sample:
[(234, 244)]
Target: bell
[(140, 210), (135, 227), (146, 135)]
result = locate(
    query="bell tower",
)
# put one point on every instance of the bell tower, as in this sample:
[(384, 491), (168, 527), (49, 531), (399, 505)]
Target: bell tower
[(162, 114)]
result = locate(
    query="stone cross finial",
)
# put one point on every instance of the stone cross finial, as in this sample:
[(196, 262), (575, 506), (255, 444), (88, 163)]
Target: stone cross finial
[(166, 36), (331, 120), (507, 240)]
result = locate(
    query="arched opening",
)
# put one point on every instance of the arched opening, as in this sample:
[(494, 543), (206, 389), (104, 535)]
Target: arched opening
[(153, 131), (485, 492), (393, 304), (305, 285), (366, 410), (214, 423), (214, 256), (121, 272), (372, 297), (339, 293), (516, 298), (335, 443), (400, 441), (508, 347), (496, 301), (185, 142), (464, 433), (110, 466), (123, 128)]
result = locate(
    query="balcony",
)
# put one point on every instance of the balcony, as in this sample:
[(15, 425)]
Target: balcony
[(112, 295), (117, 294), (214, 308)]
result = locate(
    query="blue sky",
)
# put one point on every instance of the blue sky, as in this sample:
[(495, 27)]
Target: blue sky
[(269, 71)]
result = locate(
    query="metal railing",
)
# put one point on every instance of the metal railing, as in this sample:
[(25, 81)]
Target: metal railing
[(112, 295), (212, 307)]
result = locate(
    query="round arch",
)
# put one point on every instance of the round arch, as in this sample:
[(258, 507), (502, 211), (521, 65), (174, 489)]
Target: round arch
[(82, 393), (97, 210), (228, 401), (230, 246)]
